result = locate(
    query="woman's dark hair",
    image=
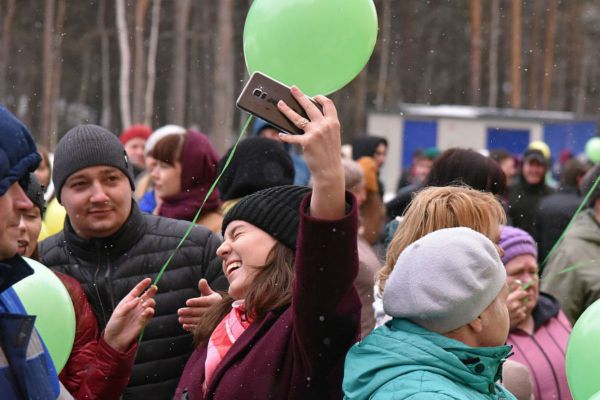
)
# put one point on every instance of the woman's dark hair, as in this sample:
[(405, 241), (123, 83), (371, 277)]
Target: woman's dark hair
[(168, 149), (270, 290), (466, 166), (366, 146)]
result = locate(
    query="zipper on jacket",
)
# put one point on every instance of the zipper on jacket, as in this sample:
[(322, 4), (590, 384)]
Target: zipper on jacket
[(98, 266)]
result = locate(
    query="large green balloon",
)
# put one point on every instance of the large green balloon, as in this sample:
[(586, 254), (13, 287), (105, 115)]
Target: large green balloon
[(318, 45), (44, 296), (596, 396), (592, 149), (583, 354)]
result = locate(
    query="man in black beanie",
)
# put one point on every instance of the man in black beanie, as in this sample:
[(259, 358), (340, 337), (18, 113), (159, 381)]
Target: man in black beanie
[(108, 245)]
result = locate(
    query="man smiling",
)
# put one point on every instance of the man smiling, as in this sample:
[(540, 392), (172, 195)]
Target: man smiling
[(108, 245)]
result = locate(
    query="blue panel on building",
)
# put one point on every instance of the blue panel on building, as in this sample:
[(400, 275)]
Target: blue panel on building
[(514, 141), (417, 135), (572, 136)]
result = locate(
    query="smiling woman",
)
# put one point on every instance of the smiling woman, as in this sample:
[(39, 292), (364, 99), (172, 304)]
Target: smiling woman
[(291, 312)]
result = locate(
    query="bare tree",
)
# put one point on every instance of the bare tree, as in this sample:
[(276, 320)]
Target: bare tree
[(124, 51), (151, 64), (493, 54), (5, 46), (549, 54), (48, 67), (222, 124), (515, 98), (177, 95), (106, 114), (56, 71), (385, 47), (536, 59), (141, 9), (475, 51)]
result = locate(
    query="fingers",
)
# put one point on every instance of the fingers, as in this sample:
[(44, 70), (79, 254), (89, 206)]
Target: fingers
[(292, 115), (204, 288), (311, 109), (291, 139), (149, 294), (139, 288), (329, 109)]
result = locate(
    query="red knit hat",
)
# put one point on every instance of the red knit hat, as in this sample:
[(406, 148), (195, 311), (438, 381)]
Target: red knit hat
[(136, 131)]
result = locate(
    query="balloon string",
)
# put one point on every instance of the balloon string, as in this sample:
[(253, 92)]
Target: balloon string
[(584, 202), (193, 223)]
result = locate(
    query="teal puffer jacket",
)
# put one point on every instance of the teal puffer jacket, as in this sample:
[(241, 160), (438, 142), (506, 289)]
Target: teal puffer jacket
[(401, 360)]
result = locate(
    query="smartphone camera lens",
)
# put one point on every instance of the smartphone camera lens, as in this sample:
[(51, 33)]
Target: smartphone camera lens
[(263, 96), (257, 92)]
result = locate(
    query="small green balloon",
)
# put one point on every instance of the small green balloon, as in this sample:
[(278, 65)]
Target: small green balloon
[(583, 353), (592, 149), (317, 45), (44, 296)]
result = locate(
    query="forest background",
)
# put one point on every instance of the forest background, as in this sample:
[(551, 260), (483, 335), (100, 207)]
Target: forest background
[(119, 62)]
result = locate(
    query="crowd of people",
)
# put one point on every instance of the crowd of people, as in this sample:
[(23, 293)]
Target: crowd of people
[(297, 280)]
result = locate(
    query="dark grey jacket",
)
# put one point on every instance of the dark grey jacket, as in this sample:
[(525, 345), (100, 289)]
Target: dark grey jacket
[(109, 268)]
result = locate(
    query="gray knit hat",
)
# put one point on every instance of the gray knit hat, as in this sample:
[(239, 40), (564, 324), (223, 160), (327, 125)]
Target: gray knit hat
[(445, 280), (275, 210), (587, 182), (88, 146)]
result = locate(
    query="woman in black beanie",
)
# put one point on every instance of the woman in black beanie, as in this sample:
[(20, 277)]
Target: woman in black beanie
[(290, 257)]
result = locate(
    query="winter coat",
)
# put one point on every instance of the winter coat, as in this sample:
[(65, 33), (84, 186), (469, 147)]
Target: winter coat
[(523, 202), (109, 268), (579, 286), (552, 217), (296, 352), (94, 369), (543, 353), (402, 360), (26, 370)]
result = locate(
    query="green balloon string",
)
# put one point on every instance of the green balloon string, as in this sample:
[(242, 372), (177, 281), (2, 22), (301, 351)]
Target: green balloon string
[(193, 223), (584, 202)]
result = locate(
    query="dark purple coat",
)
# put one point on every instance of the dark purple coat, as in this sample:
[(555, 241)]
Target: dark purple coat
[(296, 352)]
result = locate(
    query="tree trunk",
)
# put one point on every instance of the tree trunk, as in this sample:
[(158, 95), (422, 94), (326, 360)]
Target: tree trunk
[(493, 56), (475, 51), (141, 9), (48, 59), (384, 61), (151, 64), (515, 98), (536, 59), (106, 115), (222, 124), (124, 51), (86, 67), (549, 55), (57, 71), (7, 22), (178, 84)]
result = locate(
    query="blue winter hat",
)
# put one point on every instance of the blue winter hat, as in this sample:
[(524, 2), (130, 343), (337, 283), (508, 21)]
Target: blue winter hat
[(18, 154), (259, 125)]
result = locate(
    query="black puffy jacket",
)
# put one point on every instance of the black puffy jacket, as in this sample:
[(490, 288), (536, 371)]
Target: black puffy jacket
[(109, 268)]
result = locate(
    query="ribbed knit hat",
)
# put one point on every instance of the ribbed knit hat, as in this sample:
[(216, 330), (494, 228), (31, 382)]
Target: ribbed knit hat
[(35, 192), (88, 146), (259, 163), (18, 155), (275, 210), (445, 280), (516, 242), (140, 131)]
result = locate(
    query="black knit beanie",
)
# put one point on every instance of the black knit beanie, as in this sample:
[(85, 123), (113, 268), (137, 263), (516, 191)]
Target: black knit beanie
[(35, 192), (258, 163), (275, 210), (88, 146)]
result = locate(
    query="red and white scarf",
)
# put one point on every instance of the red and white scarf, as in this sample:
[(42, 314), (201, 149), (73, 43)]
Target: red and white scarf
[(223, 337)]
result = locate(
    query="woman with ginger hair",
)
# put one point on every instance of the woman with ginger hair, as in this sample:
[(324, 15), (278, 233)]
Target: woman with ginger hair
[(437, 208)]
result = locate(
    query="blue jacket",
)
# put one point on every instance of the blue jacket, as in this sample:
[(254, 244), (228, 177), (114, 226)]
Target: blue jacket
[(401, 360), (26, 370)]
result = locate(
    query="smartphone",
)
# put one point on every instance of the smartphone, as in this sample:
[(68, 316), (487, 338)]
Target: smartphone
[(260, 97)]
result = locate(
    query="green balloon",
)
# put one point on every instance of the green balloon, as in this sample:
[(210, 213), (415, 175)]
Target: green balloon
[(583, 354), (596, 396), (44, 296), (317, 45), (592, 149)]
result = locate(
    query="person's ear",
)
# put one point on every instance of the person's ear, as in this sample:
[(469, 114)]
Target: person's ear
[(476, 325)]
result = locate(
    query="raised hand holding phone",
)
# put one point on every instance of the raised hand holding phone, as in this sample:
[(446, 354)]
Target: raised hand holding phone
[(322, 148)]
